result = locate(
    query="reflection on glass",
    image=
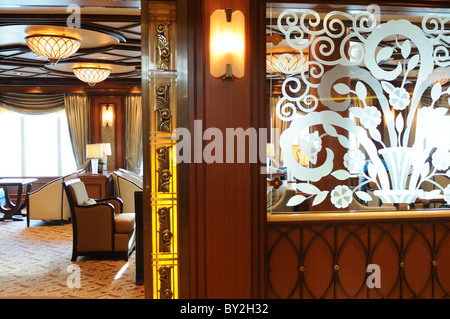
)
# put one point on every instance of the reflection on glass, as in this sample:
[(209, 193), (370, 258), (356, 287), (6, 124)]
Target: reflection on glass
[(364, 96)]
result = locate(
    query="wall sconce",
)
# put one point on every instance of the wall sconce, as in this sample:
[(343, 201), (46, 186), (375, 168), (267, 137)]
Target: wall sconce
[(227, 44), (107, 115), (303, 160)]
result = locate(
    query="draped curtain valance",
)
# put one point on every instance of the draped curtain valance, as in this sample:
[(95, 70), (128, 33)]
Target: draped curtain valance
[(32, 103), (77, 111)]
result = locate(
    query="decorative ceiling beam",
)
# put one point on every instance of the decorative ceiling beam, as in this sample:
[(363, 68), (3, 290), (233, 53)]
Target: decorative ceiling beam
[(30, 18)]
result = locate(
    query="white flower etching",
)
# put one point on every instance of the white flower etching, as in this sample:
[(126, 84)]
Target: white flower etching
[(399, 98), (341, 196), (447, 194), (311, 144), (370, 117), (395, 148), (441, 159), (354, 160)]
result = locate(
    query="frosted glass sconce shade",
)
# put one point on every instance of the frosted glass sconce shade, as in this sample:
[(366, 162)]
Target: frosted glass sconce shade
[(227, 44), (107, 116)]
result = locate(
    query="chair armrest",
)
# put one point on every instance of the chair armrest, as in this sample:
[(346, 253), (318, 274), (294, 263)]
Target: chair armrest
[(115, 201)]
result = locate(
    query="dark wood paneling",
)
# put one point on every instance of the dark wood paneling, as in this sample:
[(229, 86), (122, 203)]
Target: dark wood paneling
[(98, 186), (225, 231), (330, 260), (119, 124)]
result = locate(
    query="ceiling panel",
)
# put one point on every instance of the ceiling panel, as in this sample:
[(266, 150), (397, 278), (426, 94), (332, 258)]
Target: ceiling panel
[(110, 34)]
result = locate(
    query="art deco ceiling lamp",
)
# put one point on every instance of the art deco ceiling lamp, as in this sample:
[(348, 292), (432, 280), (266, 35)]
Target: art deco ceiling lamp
[(91, 74), (227, 44), (53, 47), (279, 64)]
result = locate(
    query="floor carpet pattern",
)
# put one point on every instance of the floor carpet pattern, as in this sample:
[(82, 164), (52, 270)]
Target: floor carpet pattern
[(35, 263)]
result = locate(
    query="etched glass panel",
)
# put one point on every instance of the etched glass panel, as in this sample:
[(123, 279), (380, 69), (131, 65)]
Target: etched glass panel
[(359, 103)]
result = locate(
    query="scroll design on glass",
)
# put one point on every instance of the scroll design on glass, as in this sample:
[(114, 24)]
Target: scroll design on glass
[(165, 235), (163, 102), (163, 45), (163, 169), (405, 75), (165, 282)]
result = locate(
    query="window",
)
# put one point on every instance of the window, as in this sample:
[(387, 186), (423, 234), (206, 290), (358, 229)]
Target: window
[(363, 94), (35, 145)]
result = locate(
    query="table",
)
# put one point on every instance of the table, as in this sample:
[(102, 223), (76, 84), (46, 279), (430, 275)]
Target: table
[(10, 209), (98, 185)]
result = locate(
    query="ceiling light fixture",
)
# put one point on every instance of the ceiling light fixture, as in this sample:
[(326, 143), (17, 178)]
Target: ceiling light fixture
[(53, 47), (91, 75), (285, 64)]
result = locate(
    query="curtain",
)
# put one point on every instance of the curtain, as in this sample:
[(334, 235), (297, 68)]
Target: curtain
[(32, 103), (280, 126), (133, 132), (77, 111)]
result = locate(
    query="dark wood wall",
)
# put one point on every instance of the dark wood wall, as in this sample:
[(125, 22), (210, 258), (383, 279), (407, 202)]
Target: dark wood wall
[(225, 212), (334, 260), (118, 127)]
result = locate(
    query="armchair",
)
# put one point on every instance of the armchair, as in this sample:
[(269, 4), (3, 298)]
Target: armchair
[(279, 205), (126, 185), (49, 201), (99, 225)]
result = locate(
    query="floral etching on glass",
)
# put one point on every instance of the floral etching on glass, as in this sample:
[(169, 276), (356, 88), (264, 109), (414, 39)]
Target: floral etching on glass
[(398, 164)]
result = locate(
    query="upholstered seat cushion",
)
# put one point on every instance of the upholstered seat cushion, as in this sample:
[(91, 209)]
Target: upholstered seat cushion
[(124, 222)]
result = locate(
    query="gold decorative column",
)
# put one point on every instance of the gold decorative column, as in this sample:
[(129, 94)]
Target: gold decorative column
[(160, 177)]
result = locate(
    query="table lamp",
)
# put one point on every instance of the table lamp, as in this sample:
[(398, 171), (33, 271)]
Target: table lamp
[(94, 152), (106, 151)]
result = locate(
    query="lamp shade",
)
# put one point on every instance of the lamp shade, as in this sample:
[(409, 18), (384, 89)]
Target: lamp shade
[(227, 43), (91, 75), (94, 151), (106, 149), (53, 47)]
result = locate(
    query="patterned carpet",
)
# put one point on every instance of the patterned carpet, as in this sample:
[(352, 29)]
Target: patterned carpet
[(35, 263)]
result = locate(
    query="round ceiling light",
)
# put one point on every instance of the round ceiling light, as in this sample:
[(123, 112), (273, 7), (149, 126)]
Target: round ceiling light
[(287, 63), (91, 75), (53, 47)]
